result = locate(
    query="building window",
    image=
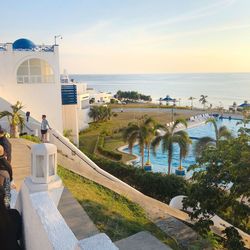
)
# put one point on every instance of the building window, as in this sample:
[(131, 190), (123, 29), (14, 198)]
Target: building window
[(35, 71)]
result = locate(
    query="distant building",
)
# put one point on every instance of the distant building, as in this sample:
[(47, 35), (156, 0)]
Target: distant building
[(99, 97), (75, 105)]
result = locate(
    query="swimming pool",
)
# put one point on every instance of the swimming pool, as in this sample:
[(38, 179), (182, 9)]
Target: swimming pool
[(159, 162)]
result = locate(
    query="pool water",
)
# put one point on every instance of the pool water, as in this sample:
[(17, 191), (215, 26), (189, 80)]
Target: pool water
[(159, 162)]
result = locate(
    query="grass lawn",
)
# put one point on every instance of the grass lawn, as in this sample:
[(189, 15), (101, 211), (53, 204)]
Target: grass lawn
[(112, 214), (112, 143), (87, 142), (111, 128)]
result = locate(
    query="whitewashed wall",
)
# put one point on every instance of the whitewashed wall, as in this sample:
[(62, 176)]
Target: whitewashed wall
[(37, 98)]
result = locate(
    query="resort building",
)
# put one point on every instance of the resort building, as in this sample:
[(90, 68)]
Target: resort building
[(75, 106), (30, 73), (99, 97)]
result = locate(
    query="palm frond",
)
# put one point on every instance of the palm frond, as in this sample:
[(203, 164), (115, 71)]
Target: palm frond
[(155, 143), (213, 121), (5, 114), (224, 132), (202, 143)]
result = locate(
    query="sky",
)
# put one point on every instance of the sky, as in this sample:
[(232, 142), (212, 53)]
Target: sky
[(136, 36)]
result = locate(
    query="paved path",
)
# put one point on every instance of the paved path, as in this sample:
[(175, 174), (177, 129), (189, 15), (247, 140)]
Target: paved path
[(21, 160), (75, 216), (141, 241)]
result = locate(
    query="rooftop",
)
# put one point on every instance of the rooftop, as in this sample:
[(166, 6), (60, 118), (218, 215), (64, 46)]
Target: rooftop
[(24, 44)]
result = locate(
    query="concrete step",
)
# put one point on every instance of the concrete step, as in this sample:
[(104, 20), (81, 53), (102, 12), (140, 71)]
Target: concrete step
[(184, 235), (75, 217), (141, 241)]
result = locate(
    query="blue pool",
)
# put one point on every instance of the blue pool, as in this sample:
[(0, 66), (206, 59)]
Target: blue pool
[(159, 162)]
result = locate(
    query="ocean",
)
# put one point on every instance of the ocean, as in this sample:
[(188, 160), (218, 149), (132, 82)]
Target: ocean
[(222, 89)]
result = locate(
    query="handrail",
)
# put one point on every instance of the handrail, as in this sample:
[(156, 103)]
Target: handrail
[(31, 130), (79, 156)]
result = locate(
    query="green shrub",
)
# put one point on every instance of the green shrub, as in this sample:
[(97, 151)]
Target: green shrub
[(110, 154), (31, 138), (156, 185)]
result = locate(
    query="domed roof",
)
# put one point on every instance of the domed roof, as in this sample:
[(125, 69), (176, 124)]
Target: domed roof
[(23, 43)]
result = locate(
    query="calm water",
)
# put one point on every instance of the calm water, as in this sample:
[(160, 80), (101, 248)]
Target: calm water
[(159, 163), (221, 89)]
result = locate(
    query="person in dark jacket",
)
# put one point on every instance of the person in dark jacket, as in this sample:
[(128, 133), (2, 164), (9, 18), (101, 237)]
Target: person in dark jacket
[(10, 226), (5, 176), (6, 145)]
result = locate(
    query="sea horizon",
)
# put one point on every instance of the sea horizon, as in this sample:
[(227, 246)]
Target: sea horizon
[(222, 89)]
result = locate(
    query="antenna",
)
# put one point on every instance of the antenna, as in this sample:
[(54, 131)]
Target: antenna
[(57, 36)]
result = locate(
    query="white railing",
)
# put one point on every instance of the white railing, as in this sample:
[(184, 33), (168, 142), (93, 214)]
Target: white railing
[(68, 148)]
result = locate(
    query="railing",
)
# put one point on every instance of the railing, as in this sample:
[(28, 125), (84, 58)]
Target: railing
[(39, 48), (80, 155), (2, 46), (35, 79)]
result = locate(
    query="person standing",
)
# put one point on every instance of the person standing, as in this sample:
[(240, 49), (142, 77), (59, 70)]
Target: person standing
[(5, 176), (4, 142), (44, 128), (27, 116), (10, 226)]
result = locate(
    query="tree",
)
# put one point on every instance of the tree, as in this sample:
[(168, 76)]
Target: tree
[(191, 99), (15, 119), (168, 139), (100, 113), (206, 141), (153, 127), (203, 100), (183, 142), (234, 240), (94, 113), (221, 184), (141, 133)]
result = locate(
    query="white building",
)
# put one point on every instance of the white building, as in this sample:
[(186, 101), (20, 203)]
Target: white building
[(75, 100), (30, 74), (99, 97)]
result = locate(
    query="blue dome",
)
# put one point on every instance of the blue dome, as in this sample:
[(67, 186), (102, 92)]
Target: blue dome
[(23, 43)]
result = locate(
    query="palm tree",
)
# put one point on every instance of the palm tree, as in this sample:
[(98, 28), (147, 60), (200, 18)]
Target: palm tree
[(191, 99), (168, 140), (153, 127), (94, 113), (203, 100), (15, 118), (106, 113), (141, 133), (183, 142), (221, 133)]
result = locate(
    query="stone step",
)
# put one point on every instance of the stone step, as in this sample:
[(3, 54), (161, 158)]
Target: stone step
[(75, 217), (141, 241), (184, 235)]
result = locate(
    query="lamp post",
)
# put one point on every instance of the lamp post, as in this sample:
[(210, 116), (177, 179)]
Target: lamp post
[(57, 36)]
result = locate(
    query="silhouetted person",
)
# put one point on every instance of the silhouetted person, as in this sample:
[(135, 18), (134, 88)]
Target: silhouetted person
[(27, 116), (5, 177), (6, 145), (10, 226)]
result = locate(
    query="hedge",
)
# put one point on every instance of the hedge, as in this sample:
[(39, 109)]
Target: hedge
[(157, 185), (111, 154)]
